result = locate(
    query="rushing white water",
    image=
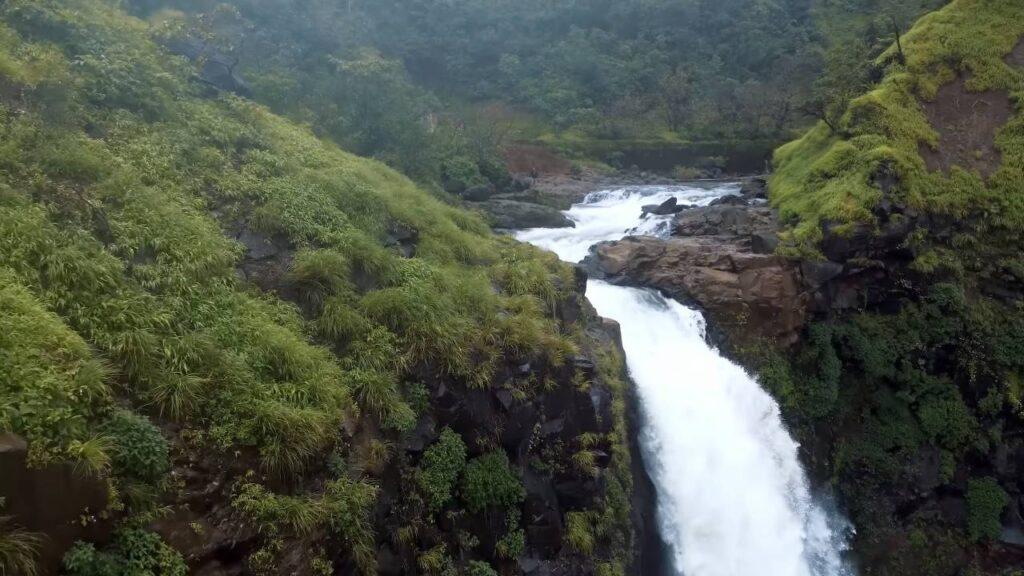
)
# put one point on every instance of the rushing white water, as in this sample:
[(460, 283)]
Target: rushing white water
[(733, 499)]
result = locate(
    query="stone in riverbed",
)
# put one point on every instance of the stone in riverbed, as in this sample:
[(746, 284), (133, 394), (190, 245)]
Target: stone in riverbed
[(512, 215), (724, 220), (666, 208), (729, 200), (479, 193)]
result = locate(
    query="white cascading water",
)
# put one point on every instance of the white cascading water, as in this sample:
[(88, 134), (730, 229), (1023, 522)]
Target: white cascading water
[(733, 499)]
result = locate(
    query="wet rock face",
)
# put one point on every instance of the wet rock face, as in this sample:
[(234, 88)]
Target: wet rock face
[(721, 257), (666, 208), (54, 501), (725, 220), (760, 295)]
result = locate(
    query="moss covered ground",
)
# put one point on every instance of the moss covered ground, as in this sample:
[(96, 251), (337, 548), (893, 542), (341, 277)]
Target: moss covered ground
[(833, 176)]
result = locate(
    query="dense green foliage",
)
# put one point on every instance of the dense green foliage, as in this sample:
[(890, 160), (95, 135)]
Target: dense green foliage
[(918, 396), (489, 481), (128, 324), (985, 503), (440, 469), (139, 451), (435, 87), (133, 551)]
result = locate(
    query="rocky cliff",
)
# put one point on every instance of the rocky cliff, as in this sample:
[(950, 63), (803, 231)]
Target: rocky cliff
[(880, 297)]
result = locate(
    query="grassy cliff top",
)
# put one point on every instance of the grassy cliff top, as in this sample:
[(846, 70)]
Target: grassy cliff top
[(124, 184), (944, 129)]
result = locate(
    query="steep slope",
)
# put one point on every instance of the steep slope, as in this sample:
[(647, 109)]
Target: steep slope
[(278, 356), (908, 220)]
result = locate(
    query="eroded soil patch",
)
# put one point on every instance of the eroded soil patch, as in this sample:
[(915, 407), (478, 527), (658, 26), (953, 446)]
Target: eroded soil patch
[(967, 123), (1016, 56), (537, 160)]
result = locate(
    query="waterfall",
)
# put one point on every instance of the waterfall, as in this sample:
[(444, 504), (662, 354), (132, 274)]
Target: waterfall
[(733, 499)]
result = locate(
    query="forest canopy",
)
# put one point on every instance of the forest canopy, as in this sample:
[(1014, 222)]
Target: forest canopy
[(380, 77)]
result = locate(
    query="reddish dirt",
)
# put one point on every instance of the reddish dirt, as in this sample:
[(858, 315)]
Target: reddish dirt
[(526, 159), (967, 124)]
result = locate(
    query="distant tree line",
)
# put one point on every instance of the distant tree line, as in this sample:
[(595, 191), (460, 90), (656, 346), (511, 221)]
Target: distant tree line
[(388, 77)]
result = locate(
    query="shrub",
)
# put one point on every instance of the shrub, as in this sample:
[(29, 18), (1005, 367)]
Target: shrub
[(139, 450), (478, 568), (440, 468), (490, 481), (985, 502), (579, 531), (18, 548), (513, 542), (377, 394), (460, 173), (133, 551), (344, 507), (318, 274)]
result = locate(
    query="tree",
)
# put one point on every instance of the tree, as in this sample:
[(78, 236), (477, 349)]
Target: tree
[(677, 97), (847, 75)]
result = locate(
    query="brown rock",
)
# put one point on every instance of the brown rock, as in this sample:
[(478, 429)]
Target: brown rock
[(748, 295)]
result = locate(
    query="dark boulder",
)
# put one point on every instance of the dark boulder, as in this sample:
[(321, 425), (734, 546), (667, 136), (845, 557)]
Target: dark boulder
[(266, 260), (513, 215), (817, 273), (522, 183), (730, 200), (402, 237), (725, 220), (218, 69), (764, 242), (422, 435), (666, 208), (479, 193), (755, 189)]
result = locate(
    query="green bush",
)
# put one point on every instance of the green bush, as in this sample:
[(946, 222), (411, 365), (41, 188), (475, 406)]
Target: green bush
[(133, 551), (512, 544), (140, 451), (440, 468), (344, 507), (460, 173), (986, 500), (490, 481), (19, 548), (478, 568)]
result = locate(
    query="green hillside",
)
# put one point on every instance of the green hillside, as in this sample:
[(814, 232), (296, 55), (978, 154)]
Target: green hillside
[(834, 174), (909, 396), (183, 271)]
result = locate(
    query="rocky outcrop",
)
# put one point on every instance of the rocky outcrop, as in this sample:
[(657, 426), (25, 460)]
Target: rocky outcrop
[(747, 294), (721, 259), (217, 69), (55, 501), (513, 214), (666, 208)]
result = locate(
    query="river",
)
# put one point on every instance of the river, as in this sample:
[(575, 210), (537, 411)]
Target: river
[(733, 498)]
